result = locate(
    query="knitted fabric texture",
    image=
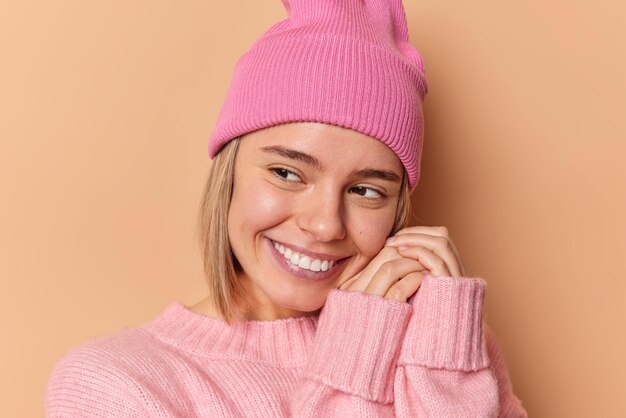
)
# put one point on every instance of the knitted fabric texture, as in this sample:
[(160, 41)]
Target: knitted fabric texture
[(364, 355), (347, 63)]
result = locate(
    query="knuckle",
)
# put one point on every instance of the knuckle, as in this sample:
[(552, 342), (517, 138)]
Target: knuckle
[(389, 253), (443, 242), (396, 294), (386, 269), (441, 264)]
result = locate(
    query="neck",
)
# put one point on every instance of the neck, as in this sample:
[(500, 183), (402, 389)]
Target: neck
[(257, 307)]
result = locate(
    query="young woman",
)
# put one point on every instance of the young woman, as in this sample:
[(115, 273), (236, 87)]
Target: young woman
[(324, 299)]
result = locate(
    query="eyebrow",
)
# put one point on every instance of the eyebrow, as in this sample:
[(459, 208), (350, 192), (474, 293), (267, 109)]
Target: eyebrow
[(294, 155), (312, 161), (379, 174)]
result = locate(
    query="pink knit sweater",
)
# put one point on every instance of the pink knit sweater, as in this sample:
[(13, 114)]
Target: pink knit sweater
[(363, 356)]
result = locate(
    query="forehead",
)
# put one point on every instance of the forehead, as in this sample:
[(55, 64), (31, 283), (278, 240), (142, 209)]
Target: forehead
[(334, 146)]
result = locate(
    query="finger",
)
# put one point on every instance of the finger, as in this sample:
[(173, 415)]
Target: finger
[(365, 276), (360, 281), (440, 231), (442, 246), (423, 229), (389, 273), (435, 264), (405, 287), (422, 266), (348, 283)]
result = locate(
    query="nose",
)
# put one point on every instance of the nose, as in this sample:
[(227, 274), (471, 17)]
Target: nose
[(322, 217)]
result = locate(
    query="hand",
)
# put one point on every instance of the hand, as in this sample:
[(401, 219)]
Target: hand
[(431, 246), (389, 274), (396, 272)]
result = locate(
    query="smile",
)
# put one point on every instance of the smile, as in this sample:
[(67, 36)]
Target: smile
[(303, 261)]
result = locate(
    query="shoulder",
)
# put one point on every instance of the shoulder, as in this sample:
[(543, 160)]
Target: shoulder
[(102, 376)]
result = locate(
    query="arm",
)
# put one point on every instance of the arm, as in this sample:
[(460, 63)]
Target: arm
[(353, 357), (444, 368)]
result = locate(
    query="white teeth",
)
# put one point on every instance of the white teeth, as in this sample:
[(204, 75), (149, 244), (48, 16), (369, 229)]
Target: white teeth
[(303, 261), (316, 265), (279, 247)]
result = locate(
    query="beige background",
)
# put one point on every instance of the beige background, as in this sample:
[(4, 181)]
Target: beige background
[(105, 111)]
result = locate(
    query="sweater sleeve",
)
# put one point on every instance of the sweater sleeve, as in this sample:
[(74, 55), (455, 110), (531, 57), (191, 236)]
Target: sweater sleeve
[(510, 405), (82, 384), (444, 368), (352, 361)]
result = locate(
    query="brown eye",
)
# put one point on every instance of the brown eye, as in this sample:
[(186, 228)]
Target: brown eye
[(368, 192), (283, 174)]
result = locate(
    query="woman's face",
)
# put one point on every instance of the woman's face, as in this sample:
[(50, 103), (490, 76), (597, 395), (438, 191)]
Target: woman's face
[(326, 196)]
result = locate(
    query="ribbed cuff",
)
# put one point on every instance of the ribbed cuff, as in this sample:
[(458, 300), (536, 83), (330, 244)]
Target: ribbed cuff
[(445, 329), (357, 343)]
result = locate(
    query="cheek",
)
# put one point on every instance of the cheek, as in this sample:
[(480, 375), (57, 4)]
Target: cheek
[(255, 206), (371, 229)]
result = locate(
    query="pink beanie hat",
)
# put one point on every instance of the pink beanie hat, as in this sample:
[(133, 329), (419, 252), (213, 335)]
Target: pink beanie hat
[(342, 62)]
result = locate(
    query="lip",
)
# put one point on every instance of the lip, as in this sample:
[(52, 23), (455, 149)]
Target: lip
[(311, 254), (303, 273)]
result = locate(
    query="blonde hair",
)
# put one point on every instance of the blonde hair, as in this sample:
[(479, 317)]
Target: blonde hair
[(219, 262)]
